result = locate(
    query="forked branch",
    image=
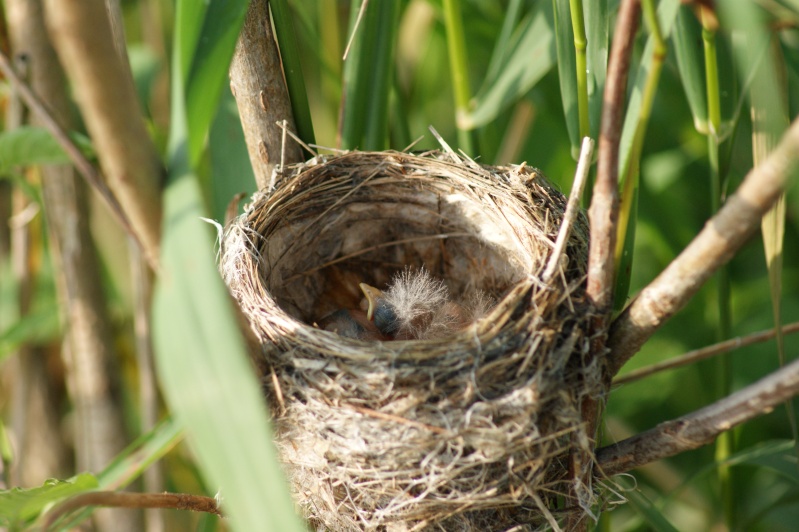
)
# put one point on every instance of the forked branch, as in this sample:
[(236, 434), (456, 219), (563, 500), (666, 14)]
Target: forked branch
[(716, 244)]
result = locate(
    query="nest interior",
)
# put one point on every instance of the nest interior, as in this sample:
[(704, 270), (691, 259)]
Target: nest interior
[(470, 430)]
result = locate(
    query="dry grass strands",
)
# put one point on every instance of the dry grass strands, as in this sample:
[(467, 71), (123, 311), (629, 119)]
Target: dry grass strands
[(469, 430)]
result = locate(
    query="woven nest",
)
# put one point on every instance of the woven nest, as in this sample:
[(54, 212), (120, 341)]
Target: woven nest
[(469, 430)]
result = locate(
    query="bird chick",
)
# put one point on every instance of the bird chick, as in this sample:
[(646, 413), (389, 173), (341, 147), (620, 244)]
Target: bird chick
[(453, 316), (351, 324), (405, 310)]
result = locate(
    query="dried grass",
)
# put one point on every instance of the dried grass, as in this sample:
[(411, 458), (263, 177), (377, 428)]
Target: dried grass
[(469, 431)]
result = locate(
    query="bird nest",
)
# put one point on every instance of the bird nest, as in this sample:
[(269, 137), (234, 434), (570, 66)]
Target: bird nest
[(471, 428)]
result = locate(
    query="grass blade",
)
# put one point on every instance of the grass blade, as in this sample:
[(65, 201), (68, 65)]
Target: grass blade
[(690, 64), (292, 69), (205, 374), (459, 71), (501, 47), (596, 13), (567, 70), (209, 61), (356, 77), (202, 361), (383, 21)]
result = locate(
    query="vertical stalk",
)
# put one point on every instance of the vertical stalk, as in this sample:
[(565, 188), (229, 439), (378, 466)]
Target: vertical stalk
[(456, 45), (580, 44), (630, 171), (88, 348), (383, 19), (352, 121), (723, 368)]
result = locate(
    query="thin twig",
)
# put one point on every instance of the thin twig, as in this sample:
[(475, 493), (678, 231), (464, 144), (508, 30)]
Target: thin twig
[(706, 352), (117, 499), (580, 177), (445, 145), (81, 163), (701, 427), (716, 244), (283, 124), (361, 11)]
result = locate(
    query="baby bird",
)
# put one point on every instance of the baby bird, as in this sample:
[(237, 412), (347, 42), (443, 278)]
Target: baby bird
[(351, 324), (414, 306)]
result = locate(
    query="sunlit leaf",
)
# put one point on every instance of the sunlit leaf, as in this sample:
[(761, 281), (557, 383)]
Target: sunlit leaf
[(564, 43), (201, 357)]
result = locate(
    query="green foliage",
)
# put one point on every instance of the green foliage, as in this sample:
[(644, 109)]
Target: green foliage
[(528, 55), (31, 145), (19, 506)]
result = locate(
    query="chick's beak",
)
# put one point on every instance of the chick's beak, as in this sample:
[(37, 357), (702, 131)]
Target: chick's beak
[(379, 311), (372, 295)]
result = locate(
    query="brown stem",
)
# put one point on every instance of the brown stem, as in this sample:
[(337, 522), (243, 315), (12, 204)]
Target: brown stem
[(116, 499), (104, 88), (603, 216), (256, 79), (701, 427), (604, 210), (706, 352), (718, 241)]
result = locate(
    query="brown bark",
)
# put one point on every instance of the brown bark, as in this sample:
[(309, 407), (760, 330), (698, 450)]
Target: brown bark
[(701, 427), (82, 35), (256, 79), (603, 216), (115, 499), (604, 210)]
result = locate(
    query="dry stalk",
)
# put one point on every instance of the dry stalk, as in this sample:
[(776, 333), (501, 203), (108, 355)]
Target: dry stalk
[(81, 33), (116, 499), (256, 79)]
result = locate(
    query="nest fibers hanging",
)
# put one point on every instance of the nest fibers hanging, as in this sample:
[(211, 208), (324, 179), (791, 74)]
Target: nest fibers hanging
[(471, 430)]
